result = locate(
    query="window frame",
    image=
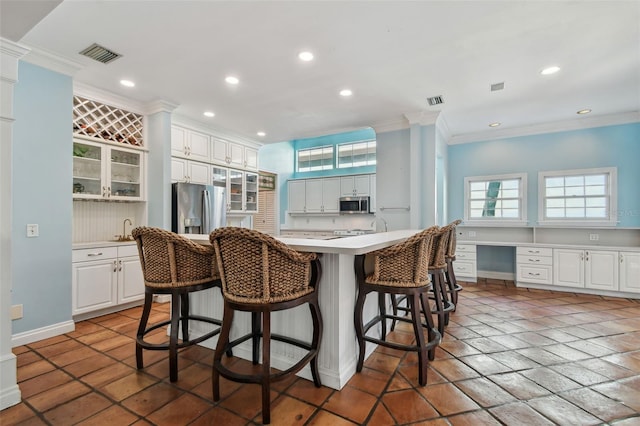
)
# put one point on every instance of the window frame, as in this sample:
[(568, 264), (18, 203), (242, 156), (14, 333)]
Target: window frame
[(322, 147), (492, 220), (612, 197), (366, 141)]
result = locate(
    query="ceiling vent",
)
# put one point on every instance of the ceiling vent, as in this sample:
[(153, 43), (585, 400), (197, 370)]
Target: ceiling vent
[(497, 86), (435, 100), (100, 54)]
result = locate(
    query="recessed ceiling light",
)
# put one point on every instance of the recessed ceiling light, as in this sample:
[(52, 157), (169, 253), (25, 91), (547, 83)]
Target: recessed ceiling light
[(496, 124), (127, 83), (550, 70), (584, 111), (261, 134), (346, 92), (209, 114), (305, 56), (232, 80)]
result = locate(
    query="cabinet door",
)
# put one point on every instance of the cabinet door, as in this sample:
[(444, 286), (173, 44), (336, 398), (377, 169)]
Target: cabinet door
[(88, 170), (313, 196), (125, 174), (219, 151), (250, 158), (331, 195), (251, 192), (601, 270), (629, 271), (199, 173), (199, 147), (347, 186), (94, 285), (179, 142), (179, 172), (361, 185), (236, 155), (130, 280), (297, 191), (236, 191), (568, 267), (372, 193)]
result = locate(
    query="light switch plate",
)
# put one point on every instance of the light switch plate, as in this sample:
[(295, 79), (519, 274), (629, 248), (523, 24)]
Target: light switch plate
[(32, 230)]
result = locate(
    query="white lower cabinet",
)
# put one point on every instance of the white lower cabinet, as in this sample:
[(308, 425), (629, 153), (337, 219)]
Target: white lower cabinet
[(534, 265), (594, 269), (105, 277), (629, 271), (465, 265)]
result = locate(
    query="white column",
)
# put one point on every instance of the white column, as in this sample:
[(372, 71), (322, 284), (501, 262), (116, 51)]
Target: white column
[(10, 54)]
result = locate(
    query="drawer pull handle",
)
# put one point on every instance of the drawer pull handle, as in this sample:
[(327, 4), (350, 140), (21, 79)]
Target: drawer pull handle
[(534, 251), (534, 260), (94, 254), (537, 274)]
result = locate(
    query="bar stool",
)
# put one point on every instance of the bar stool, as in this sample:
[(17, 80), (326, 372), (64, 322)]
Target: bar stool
[(450, 256), (262, 275), (173, 265), (401, 269)]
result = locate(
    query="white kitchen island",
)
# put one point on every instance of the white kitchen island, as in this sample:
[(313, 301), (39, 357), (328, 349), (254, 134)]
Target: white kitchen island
[(337, 297)]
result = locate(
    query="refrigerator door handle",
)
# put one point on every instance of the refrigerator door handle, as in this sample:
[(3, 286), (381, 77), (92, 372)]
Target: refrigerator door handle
[(206, 211)]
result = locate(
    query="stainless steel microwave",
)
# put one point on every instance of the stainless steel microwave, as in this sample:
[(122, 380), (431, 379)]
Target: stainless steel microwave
[(354, 205)]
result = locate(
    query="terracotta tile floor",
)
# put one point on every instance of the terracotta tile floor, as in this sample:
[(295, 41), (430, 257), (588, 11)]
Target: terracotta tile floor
[(509, 356)]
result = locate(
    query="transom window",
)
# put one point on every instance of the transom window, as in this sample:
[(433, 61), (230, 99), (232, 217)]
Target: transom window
[(496, 198), (357, 154), (318, 158), (584, 196)]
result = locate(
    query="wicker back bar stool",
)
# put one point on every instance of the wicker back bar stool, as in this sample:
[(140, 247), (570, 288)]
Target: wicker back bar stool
[(261, 275), (401, 269), (173, 265), (450, 256)]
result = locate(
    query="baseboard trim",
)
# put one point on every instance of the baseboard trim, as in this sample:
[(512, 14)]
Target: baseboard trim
[(42, 333), (507, 276), (10, 392)]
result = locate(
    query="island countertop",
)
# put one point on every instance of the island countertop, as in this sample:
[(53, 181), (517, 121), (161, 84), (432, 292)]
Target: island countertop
[(353, 245)]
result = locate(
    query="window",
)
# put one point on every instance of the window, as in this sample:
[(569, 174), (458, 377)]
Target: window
[(496, 199), (578, 196), (320, 158), (357, 154)]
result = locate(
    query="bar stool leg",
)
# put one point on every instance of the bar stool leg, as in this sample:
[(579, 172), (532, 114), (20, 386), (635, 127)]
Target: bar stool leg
[(316, 317), (362, 294), (144, 319), (431, 333), (266, 367), (173, 337), (255, 336), (184, 313), (383, 313), (414, 306), (223, 341)]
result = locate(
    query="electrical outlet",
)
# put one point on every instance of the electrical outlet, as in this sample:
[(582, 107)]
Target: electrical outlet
[(32, 230), (16, 312), (472, 234), (594, 237)]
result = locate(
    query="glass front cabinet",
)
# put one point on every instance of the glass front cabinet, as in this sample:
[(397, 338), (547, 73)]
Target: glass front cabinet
[(242, 189), (102, 171)]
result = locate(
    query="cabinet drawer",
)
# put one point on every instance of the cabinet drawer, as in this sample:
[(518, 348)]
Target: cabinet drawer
[(535, 274), (98, 253), (535, 251), (534, 260), (128, 250), (464, 269), (467, 248), (469, 256)]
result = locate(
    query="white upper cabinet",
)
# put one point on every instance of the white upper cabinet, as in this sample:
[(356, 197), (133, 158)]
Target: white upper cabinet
[(250, 158), (356, 186), (189, 144), (297, 196), (322, 195), (183, 170)]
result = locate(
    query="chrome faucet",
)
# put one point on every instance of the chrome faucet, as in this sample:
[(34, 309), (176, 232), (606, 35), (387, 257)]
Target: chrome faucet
[(383, 221), (124, 228)]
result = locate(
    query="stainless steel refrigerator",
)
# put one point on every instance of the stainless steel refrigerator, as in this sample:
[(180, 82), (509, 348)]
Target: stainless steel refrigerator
[(197, 209)]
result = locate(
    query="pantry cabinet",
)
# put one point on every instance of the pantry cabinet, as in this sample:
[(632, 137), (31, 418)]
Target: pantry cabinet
[(106, 171), (105, 277), (190, 144), (183, 170)]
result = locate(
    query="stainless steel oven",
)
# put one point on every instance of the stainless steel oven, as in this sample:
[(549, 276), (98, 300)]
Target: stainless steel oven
[(354, 205)]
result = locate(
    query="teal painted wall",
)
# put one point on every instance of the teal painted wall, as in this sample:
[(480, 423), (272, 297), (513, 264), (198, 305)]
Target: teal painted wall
[(42, 167), (609, 146)]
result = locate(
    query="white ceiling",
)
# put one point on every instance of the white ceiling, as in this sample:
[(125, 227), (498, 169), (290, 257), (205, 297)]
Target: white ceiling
[(392, 54)]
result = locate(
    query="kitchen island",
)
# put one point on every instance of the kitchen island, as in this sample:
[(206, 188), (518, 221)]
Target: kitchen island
[(337, 296)]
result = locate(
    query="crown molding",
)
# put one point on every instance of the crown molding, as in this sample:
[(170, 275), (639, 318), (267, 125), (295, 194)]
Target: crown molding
[(390, 126), (11, 52), (159, 106), (109, 98), (423, 118), (197, 125), (53, 62), (553, 127)]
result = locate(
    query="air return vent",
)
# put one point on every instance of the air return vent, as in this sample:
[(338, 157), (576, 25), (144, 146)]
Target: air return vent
[(100, 54), (497, 86), (435, 100)]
